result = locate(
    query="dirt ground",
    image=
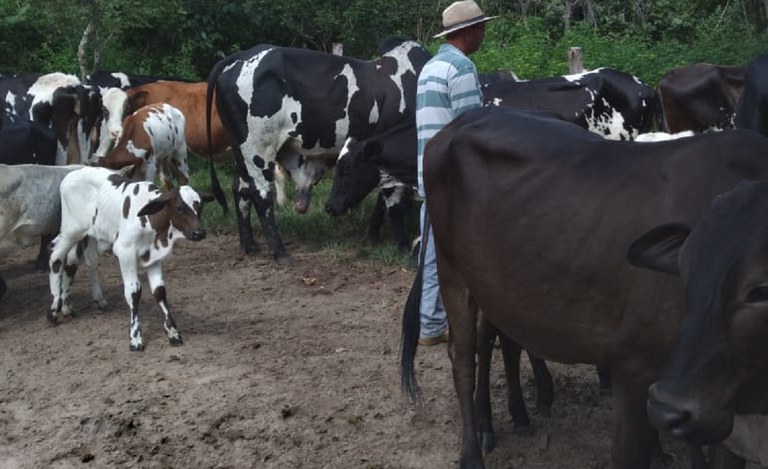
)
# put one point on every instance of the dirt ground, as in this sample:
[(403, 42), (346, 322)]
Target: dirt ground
[(280, 368)]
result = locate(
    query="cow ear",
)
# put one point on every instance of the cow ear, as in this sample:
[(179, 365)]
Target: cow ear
[(372, 149), (659, 248), (154, 205)]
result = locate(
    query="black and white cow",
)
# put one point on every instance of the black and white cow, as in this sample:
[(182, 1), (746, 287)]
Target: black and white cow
[(700, 97), (752, 110), (614, 104), (58, 101), (137, 222), (274, 101)]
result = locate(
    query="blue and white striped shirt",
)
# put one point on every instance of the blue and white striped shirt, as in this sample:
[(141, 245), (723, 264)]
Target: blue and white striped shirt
[(447, 87)]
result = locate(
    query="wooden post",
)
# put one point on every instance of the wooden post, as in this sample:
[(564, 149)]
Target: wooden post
[(337, 48), (574, 60)]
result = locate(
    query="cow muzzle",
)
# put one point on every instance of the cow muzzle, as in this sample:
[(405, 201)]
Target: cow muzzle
[(686, 419), (196, 235)]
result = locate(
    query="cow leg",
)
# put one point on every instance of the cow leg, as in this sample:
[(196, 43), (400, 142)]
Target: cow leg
[(377, 219), (604, 376), (265, 209), (3, 288), (511, 351), (544, 387), (634, 438), (462, 347), (243, 214), (41, 263), (131, 293), (156, 283), (486, 335), (398, 211)]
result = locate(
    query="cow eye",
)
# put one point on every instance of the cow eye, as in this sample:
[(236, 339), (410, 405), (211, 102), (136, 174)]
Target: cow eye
[(758, 294)]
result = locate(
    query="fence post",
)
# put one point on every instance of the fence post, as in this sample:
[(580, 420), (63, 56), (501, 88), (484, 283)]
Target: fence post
[(574, 60)]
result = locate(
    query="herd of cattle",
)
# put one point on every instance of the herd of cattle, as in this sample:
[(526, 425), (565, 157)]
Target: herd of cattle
[(574, 182)]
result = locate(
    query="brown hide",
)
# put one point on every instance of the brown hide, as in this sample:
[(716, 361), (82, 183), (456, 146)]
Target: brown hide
[(550, 211), (133, 131), (189, 98)]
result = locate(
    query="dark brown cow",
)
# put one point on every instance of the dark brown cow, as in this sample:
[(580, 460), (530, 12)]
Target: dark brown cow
[(700, 97), (532, 219), (719, 365)]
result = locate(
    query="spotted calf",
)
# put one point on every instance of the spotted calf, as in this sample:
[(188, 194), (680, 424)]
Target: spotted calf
[(152, 138), (139, 223)]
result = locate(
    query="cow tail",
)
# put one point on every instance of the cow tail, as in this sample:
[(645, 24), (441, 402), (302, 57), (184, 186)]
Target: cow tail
[(215, 185), (411, 325)]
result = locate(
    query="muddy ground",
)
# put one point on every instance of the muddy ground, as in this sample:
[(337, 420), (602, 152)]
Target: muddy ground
[(280, 368)]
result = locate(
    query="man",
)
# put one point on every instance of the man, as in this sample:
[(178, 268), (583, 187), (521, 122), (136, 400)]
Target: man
[(447, 87)]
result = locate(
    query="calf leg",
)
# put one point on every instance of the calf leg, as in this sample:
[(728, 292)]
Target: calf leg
[(155, 277), (265, 209), (41, 263), (62, 269), (377, 219), (91, 256), (398, 212), (131, 292)]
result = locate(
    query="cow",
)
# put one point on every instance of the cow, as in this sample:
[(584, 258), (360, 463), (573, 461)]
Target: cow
[(30, 206), (611, 103), (752, 109), (700, 97), (532, 218), (718, 367), (152, 139), (137, 222), (274, 101), (58, 101)]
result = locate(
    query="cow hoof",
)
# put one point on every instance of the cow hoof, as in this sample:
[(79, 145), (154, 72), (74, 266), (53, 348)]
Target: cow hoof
[(137, 348), (523, 430), (487, 441), (286, 261), (544, 410), (250, 248), (53, 317), (102, 305), (175, 341)]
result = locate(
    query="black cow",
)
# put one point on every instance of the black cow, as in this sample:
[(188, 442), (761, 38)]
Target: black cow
[(59, 102), (280, 101), (605, 101), (719, 364), (752, 111), (532, 219), (700, 97)]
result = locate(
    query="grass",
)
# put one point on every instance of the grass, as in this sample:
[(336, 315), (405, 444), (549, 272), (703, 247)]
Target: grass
[(343, 236)]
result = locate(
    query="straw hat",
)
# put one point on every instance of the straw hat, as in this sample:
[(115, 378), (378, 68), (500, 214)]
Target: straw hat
[(459, 15)]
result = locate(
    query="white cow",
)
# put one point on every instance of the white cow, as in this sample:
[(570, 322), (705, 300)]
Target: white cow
[(137, 222)]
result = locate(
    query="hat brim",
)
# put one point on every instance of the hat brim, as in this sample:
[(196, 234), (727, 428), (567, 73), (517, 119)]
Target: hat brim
[(464, 24)]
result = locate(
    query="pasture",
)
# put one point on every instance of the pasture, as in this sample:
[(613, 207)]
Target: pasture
[(280, 368)]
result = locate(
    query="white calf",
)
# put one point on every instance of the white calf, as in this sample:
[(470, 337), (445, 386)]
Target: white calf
[(138, 222), (152, 138)]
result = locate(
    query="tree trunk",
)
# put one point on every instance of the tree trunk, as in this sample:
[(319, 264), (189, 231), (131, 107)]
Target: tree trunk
[(81, 60), (567, 15)]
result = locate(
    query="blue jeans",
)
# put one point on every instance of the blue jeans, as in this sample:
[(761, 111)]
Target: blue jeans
[(433, 319)]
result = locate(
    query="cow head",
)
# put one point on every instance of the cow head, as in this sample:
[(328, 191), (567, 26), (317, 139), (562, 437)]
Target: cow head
[(75, 112), (305, 173), (180, 209), (719, 363), (113, 112), (356, 175)]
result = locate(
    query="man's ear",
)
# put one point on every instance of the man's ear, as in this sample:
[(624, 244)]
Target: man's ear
[(659, 249)]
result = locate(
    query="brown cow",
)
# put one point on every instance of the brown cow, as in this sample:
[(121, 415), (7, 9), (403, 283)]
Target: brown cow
[(532, 219), (189, 98)]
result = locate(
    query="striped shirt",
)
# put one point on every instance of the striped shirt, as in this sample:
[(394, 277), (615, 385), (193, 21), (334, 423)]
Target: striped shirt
[(447, 87)]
